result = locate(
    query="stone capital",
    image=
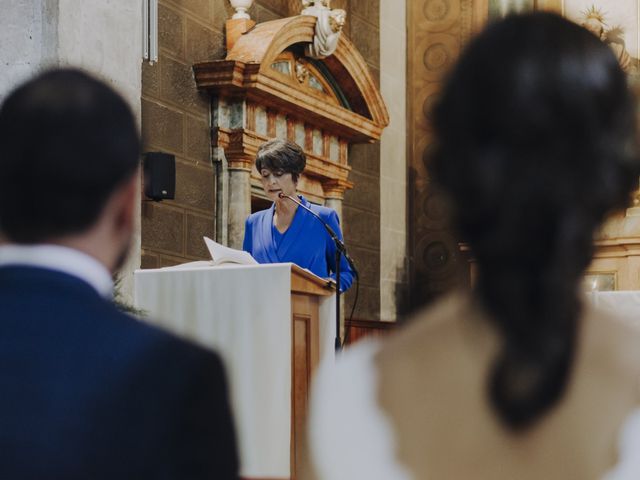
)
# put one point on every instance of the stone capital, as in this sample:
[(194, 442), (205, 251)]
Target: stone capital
[(239, 163), (334, 189)]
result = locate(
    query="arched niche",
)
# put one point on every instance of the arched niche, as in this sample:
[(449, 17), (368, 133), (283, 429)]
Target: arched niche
[(266, 87)]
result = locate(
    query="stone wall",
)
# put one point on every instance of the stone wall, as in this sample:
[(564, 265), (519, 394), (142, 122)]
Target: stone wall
[(393, 160), (175, 119), (27, 41), (103, 38), (361, 209)]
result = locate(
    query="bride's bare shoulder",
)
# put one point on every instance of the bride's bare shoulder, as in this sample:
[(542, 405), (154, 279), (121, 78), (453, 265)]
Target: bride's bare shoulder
[(436, 328)]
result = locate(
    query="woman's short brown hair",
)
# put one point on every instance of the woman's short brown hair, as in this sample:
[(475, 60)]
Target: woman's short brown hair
[(281, 155)]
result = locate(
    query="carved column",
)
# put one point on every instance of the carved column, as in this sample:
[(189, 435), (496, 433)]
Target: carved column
[(234, 187), (336, 204), (239, 201), (334, 195)]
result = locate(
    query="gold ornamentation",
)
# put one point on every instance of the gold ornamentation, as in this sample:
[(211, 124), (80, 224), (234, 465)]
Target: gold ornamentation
[(436, 10), (594, 13), (594, 21)]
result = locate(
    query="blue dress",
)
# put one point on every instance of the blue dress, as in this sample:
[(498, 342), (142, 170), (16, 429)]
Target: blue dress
[(305, 243)]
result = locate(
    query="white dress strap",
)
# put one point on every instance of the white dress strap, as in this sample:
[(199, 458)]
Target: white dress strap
[(628, 466), (349, 435)]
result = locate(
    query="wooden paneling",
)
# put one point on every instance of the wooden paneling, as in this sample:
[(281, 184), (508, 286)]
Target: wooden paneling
[(359, 329), (305, 356)]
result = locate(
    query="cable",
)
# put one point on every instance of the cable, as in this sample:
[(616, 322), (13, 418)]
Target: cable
[(347, 331)]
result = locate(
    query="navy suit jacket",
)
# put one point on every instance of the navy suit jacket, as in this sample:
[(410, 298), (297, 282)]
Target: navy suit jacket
[(87, 392), (305, 243)]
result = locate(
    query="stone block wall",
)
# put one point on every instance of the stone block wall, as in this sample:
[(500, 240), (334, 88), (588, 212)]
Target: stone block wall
[(28, 41), (175, 119), (361, 208), (361, 217), (393, 161)]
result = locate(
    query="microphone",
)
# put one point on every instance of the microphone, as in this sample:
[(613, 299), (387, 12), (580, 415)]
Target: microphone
[(339, 244)]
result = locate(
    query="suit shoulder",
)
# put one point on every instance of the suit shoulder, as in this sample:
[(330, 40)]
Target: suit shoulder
[(324, 212), (254, 217)]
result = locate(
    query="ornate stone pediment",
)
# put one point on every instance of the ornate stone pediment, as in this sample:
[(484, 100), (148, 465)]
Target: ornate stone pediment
[(249, 69)]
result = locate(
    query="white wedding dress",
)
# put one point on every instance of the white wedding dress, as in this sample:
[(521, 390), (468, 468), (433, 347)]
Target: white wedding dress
[(350, 437)]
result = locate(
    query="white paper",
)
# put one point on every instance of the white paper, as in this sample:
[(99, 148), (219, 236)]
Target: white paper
[(221, 254)]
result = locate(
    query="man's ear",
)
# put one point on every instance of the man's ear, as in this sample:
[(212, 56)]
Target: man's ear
[(125, 201)]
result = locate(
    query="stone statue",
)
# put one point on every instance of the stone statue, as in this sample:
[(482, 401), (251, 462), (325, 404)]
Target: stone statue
[(328, 27), (595, 23)]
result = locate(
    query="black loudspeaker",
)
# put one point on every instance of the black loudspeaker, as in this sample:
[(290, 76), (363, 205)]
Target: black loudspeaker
[(159, 176)]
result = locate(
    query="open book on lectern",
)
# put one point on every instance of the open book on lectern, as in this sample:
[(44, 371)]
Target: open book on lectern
[(221, 254)]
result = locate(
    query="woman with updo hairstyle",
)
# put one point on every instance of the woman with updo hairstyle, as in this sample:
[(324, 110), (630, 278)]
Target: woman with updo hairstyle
[(519, 378), (285, 232)]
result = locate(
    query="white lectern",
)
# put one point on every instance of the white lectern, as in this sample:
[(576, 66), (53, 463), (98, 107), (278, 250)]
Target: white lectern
[(271, 324)]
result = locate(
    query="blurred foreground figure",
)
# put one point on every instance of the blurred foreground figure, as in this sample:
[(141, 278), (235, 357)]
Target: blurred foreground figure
[(520, 378), (87, 392)]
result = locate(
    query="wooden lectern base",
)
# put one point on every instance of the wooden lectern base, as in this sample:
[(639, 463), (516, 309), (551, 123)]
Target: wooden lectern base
[(305, 293)]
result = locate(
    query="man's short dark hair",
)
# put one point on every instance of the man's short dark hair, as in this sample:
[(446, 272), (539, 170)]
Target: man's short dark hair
[(67, 141), (281, 155)]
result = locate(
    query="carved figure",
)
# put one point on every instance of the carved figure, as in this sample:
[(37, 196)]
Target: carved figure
[(594, 22), (302, 72), (328, 27), (337, 19)]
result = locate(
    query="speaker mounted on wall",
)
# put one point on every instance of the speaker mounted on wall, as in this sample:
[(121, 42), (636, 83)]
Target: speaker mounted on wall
[(159, 176)]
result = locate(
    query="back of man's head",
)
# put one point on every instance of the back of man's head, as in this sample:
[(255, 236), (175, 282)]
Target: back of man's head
[(67, 141)]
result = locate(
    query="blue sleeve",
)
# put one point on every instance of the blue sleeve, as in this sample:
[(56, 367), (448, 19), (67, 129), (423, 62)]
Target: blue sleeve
[(247, 244), (346, 274)]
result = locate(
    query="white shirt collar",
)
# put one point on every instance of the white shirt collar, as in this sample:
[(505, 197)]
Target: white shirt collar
[(62, 259)]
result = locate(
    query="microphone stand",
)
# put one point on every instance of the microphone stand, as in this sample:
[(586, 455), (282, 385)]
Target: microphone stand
[(340, 251)]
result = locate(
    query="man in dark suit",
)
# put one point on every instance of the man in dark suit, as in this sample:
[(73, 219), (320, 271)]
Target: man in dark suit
[(85, 390)]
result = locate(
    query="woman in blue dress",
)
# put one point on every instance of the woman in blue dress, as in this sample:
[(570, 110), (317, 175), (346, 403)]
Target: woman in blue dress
[(285, 232)]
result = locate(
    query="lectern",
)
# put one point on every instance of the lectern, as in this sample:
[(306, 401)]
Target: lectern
[(272, 325)]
